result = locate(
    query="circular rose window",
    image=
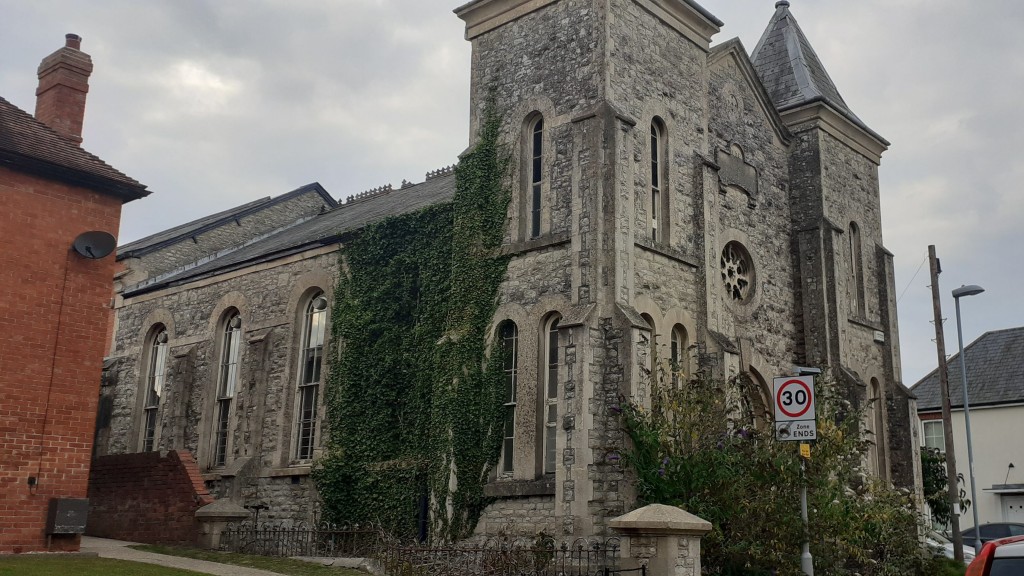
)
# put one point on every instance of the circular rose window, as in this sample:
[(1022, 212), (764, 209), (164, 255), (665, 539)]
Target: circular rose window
[(737, 272)]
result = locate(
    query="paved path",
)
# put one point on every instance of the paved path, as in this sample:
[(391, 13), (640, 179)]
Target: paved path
[(118, 549)]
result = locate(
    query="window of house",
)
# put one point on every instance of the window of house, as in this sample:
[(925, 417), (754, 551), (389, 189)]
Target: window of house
[(155, 373), (550, 396), (509, 334), (678, 355), (657, 215), (856, 271), (536, 176), (311, 352), (227, 381), (933, 435)]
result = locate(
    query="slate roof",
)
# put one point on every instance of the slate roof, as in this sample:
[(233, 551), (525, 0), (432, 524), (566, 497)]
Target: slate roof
[(791, 71), (995, 373), (186, 231), (27, 144), (324, 229)]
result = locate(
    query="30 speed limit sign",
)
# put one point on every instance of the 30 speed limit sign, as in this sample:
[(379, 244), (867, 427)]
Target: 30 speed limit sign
[(794, 408)]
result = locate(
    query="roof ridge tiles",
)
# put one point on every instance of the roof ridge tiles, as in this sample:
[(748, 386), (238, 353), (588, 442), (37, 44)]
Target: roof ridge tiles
[(378, 191)]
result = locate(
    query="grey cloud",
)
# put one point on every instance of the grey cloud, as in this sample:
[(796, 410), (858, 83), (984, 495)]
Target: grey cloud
[(358, 93)]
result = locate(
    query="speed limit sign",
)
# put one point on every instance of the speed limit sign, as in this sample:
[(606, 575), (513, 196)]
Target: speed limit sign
[(794, 408)]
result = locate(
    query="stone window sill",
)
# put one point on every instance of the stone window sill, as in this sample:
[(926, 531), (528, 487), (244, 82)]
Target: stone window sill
[(667, 252), (520, 488), (534, 244), (297, 470), (865, 323)]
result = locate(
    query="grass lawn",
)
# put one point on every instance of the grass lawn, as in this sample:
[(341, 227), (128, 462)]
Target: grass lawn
[(78, 566), (280, 565)]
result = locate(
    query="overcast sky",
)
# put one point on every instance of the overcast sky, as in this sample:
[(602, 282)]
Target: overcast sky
[(212, 103)]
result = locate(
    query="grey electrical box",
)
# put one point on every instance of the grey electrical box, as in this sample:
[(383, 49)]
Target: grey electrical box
[(67, 516)]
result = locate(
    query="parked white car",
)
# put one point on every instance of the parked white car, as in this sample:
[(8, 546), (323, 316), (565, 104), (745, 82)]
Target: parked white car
[(939, 545)]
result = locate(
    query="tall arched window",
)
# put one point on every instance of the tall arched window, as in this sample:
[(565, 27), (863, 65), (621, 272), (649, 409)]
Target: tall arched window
[(876, 423), (311, 352), (549, 406), (856, 271), (679, 355), (650, 355), (658, 198), (536, 174), (227, 382), (155, 372), (509, 334)]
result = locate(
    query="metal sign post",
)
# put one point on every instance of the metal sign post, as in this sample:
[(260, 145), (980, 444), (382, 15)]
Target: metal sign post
[(806, 561), (795, 421)]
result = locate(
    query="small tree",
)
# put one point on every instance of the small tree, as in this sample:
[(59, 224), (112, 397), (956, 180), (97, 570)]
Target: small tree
[(699, 448), (935, 479)]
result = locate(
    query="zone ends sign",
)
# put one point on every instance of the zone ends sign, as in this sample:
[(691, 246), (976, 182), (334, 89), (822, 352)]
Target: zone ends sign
[(793, 397)]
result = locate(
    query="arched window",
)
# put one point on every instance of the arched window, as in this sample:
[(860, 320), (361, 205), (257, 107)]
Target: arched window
[(156, 358), (649, 349), (760, 398), (535, 149), (659, 198), (856, 271), (509, 334), (227, 382), (549, 397), (876, 423), (311, 352), (679, 355)]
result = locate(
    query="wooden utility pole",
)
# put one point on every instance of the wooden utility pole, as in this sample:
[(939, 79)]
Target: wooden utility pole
[(947, 420)]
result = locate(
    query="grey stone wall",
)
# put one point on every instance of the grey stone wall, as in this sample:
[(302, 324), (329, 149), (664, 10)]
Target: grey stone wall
[(527, 516), (270, 298), (833, 185), (756, 214)]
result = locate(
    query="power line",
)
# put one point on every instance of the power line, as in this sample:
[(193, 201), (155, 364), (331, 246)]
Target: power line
[(922, 264)]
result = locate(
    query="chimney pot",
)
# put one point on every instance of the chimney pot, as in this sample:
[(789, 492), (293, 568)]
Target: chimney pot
[(63, 86)]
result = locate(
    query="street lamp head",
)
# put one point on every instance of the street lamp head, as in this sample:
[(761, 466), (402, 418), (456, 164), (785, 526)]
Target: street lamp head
[(967, 291)]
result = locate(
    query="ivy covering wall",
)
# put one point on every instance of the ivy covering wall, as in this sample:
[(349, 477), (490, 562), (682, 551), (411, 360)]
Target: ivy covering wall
[(414, 405)]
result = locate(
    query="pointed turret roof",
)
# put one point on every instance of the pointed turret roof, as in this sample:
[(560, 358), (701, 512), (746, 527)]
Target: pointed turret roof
[(791, 71)]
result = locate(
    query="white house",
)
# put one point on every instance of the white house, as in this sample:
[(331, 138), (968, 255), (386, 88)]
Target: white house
[(995, 385)]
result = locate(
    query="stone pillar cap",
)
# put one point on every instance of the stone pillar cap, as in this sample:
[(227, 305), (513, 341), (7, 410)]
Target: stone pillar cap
[(222, 510), (660, 519)]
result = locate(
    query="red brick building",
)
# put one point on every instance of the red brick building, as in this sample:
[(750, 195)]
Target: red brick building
[(55, 300)]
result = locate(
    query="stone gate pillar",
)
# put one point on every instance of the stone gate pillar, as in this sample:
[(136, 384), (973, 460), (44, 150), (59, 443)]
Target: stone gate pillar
[(214, 518), (664, 538)]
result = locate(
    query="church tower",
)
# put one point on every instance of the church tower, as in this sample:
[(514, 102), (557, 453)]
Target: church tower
[(670, 201), (847, 302), (605, 104)]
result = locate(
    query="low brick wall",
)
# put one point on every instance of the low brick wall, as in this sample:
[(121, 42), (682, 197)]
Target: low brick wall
[(147, 497)]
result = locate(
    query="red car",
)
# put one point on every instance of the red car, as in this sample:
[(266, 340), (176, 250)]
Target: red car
[(1003, 557)]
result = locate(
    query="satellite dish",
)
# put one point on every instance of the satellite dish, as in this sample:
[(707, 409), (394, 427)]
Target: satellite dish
[(95, 245)]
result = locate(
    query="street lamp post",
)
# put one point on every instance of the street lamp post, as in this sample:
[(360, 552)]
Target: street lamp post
[(957, 294)]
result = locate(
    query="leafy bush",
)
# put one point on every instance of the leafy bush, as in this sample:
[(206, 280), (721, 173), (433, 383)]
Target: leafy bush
[(700, 448)]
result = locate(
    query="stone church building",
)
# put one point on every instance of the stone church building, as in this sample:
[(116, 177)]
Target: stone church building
[(671, 199)]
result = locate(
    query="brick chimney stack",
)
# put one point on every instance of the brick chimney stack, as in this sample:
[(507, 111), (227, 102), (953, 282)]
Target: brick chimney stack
[(63, 85)]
